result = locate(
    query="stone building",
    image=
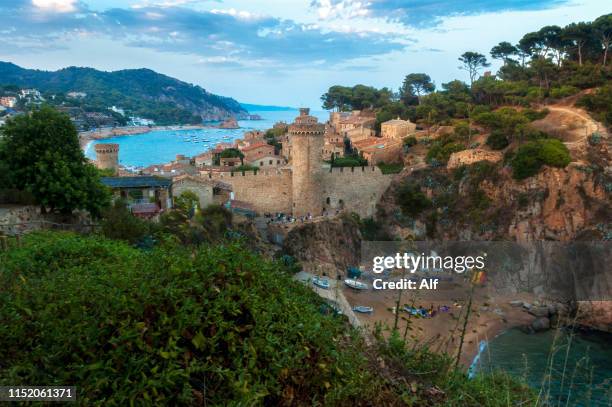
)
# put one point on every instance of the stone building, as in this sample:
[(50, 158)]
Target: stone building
[(307, 185), (377, 150), (397, 129), (107, 156), (267, 161)]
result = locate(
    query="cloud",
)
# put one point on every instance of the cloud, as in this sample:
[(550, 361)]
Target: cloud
[(421, 13), (241, 36), (58, 6)]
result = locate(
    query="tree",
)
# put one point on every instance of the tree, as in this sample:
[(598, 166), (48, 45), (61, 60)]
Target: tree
[(337, 98), (42, 155), (603, 29), (504, 50), (473, 62), (232, 153), (552, 39), (531, 44), (417, 84), (577, 36)]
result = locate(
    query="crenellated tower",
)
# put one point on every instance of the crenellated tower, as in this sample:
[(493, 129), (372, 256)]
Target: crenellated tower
[(107, 156), (307, 140)]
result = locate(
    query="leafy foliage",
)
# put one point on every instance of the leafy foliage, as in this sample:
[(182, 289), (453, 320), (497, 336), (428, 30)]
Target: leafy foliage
[(599, 104), (358, 97), (411, 199), (532, 155), (441, 149), (497, 140), (177, 328), (42, 156)]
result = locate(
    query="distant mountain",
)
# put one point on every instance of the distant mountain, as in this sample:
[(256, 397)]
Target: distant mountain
[(265, 108), (140, 92)]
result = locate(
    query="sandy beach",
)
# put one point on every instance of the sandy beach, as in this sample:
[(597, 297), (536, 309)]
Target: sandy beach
[(490, 316)]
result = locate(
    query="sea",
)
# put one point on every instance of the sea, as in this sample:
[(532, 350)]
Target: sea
[(568, 369), (162, 146)]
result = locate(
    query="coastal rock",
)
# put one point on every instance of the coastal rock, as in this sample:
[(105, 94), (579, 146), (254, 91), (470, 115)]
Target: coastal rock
[(539, 311), (540, 324)]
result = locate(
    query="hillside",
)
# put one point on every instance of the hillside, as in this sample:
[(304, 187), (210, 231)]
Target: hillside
[(215, 325), (141, 92)]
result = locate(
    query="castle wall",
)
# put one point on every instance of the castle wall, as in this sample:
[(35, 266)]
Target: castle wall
[(266, 190), (353, 189)]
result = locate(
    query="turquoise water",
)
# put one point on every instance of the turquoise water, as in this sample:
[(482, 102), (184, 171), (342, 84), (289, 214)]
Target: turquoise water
[(588, 365), (162, 146)]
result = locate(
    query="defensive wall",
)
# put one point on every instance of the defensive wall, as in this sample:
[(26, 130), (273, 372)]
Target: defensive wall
[(267, 190), (355, 189)]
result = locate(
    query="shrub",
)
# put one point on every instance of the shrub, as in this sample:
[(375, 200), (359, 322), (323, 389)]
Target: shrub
[(563, 91), (119, 223), (441, 151), (411, 199), (157, 328), (410, 141), (391, 168), (532, 155), (497, 140)]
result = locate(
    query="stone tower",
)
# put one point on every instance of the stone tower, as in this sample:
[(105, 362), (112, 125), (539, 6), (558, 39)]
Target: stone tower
[(107, 156), (307, 144)]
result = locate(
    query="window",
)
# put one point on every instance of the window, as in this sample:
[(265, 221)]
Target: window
[(261, 163), (328, 200), (270, 162)]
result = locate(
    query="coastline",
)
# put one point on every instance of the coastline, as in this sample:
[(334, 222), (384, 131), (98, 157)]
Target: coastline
[(491, 316), (87, 137)]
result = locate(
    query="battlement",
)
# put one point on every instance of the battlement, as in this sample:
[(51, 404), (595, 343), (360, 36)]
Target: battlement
[(106, 148), (365, 170)]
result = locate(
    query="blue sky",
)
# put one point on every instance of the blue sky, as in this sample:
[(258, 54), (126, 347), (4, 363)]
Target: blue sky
[(283, 52)]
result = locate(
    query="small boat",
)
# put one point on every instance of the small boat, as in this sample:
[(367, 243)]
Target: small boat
[(356, 285), (321, 282), (363, 309)]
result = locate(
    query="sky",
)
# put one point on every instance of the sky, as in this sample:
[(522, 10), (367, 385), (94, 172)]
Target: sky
[(276, 52)]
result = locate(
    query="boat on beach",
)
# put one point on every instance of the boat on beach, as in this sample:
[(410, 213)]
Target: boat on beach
[(321, 282), (356, 285), (363, 309)]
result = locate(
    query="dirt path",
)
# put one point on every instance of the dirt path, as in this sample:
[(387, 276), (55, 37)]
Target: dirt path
[(572, 125)]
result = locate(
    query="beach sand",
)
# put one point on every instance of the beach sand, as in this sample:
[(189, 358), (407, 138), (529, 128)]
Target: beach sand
[(490, 316)]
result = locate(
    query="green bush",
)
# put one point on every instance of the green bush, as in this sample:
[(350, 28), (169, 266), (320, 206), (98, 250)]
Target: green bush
[(563, 91), (441, 150), (410, 141), (532, 155), (118, 223), (411, 199), (497, 140), (169, 327), (391, 168), (599, 104)]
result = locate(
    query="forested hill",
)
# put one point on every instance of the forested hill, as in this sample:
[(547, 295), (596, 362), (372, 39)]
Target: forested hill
[(141, 92)]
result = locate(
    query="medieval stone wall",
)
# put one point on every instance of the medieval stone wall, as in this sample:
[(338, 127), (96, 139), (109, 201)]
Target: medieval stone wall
[(266, 190), (354, 189), (468, 157)]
